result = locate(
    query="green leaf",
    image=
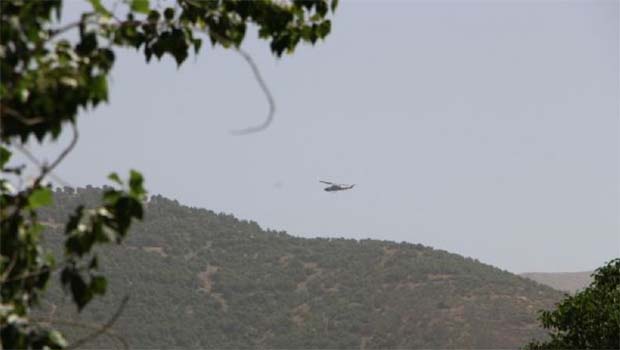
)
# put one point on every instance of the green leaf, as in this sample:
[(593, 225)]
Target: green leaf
[(57, 339), (334, 5), (148, 53), (98, 285), (179, 56), (325, 28), (94, 263), (135, 183), (100, 9), (40, 197), (65, 276), (70, 277), (111, 196), (169, 13), (140, 6), (42, 277), (153, 16), (36, 229), (87, 45), (197, 44), (114, 177), (74, 220), (99, 89), (108, 56), (5, 155), (81, 294), (321, 8)]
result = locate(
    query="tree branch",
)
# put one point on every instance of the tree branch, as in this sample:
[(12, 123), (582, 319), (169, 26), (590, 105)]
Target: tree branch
[(104, 328), (7, 272), (62, 155), (19, 117), (259, 79), (81, 324), (22, 148), (263, 86), (41, 271), (67, 27), (83, 21), (22, 199)]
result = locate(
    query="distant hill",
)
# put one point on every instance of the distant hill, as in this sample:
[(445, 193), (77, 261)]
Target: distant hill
[(198, 279), (564, 281)]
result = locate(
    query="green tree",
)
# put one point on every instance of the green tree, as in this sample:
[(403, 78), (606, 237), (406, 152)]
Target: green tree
[(588, 320), (49, 78)]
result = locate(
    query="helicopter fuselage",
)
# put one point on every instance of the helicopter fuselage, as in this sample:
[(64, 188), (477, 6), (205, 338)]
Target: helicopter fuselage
[(334, 188)]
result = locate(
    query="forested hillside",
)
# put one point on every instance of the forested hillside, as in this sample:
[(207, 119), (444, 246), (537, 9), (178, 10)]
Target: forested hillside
[(197, 279)]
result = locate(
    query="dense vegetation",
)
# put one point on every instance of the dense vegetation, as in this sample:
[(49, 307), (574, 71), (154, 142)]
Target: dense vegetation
[(588, 320), (201, 279)]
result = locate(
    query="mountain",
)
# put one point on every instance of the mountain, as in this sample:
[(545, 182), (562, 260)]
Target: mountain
[(197, 279), (565, 281)]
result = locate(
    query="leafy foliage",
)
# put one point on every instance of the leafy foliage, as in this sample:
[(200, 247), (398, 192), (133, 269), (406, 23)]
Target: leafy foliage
[(27, 266), (46, 78), (49, 77), (204, 280), (588, 320)]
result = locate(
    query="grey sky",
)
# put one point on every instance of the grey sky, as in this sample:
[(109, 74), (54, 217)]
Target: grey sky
[(486, 129)]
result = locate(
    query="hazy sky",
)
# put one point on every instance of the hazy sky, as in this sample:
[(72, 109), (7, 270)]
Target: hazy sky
[(486, 129)]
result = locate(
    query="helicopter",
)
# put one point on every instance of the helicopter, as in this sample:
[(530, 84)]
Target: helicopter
[(336, 187)]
